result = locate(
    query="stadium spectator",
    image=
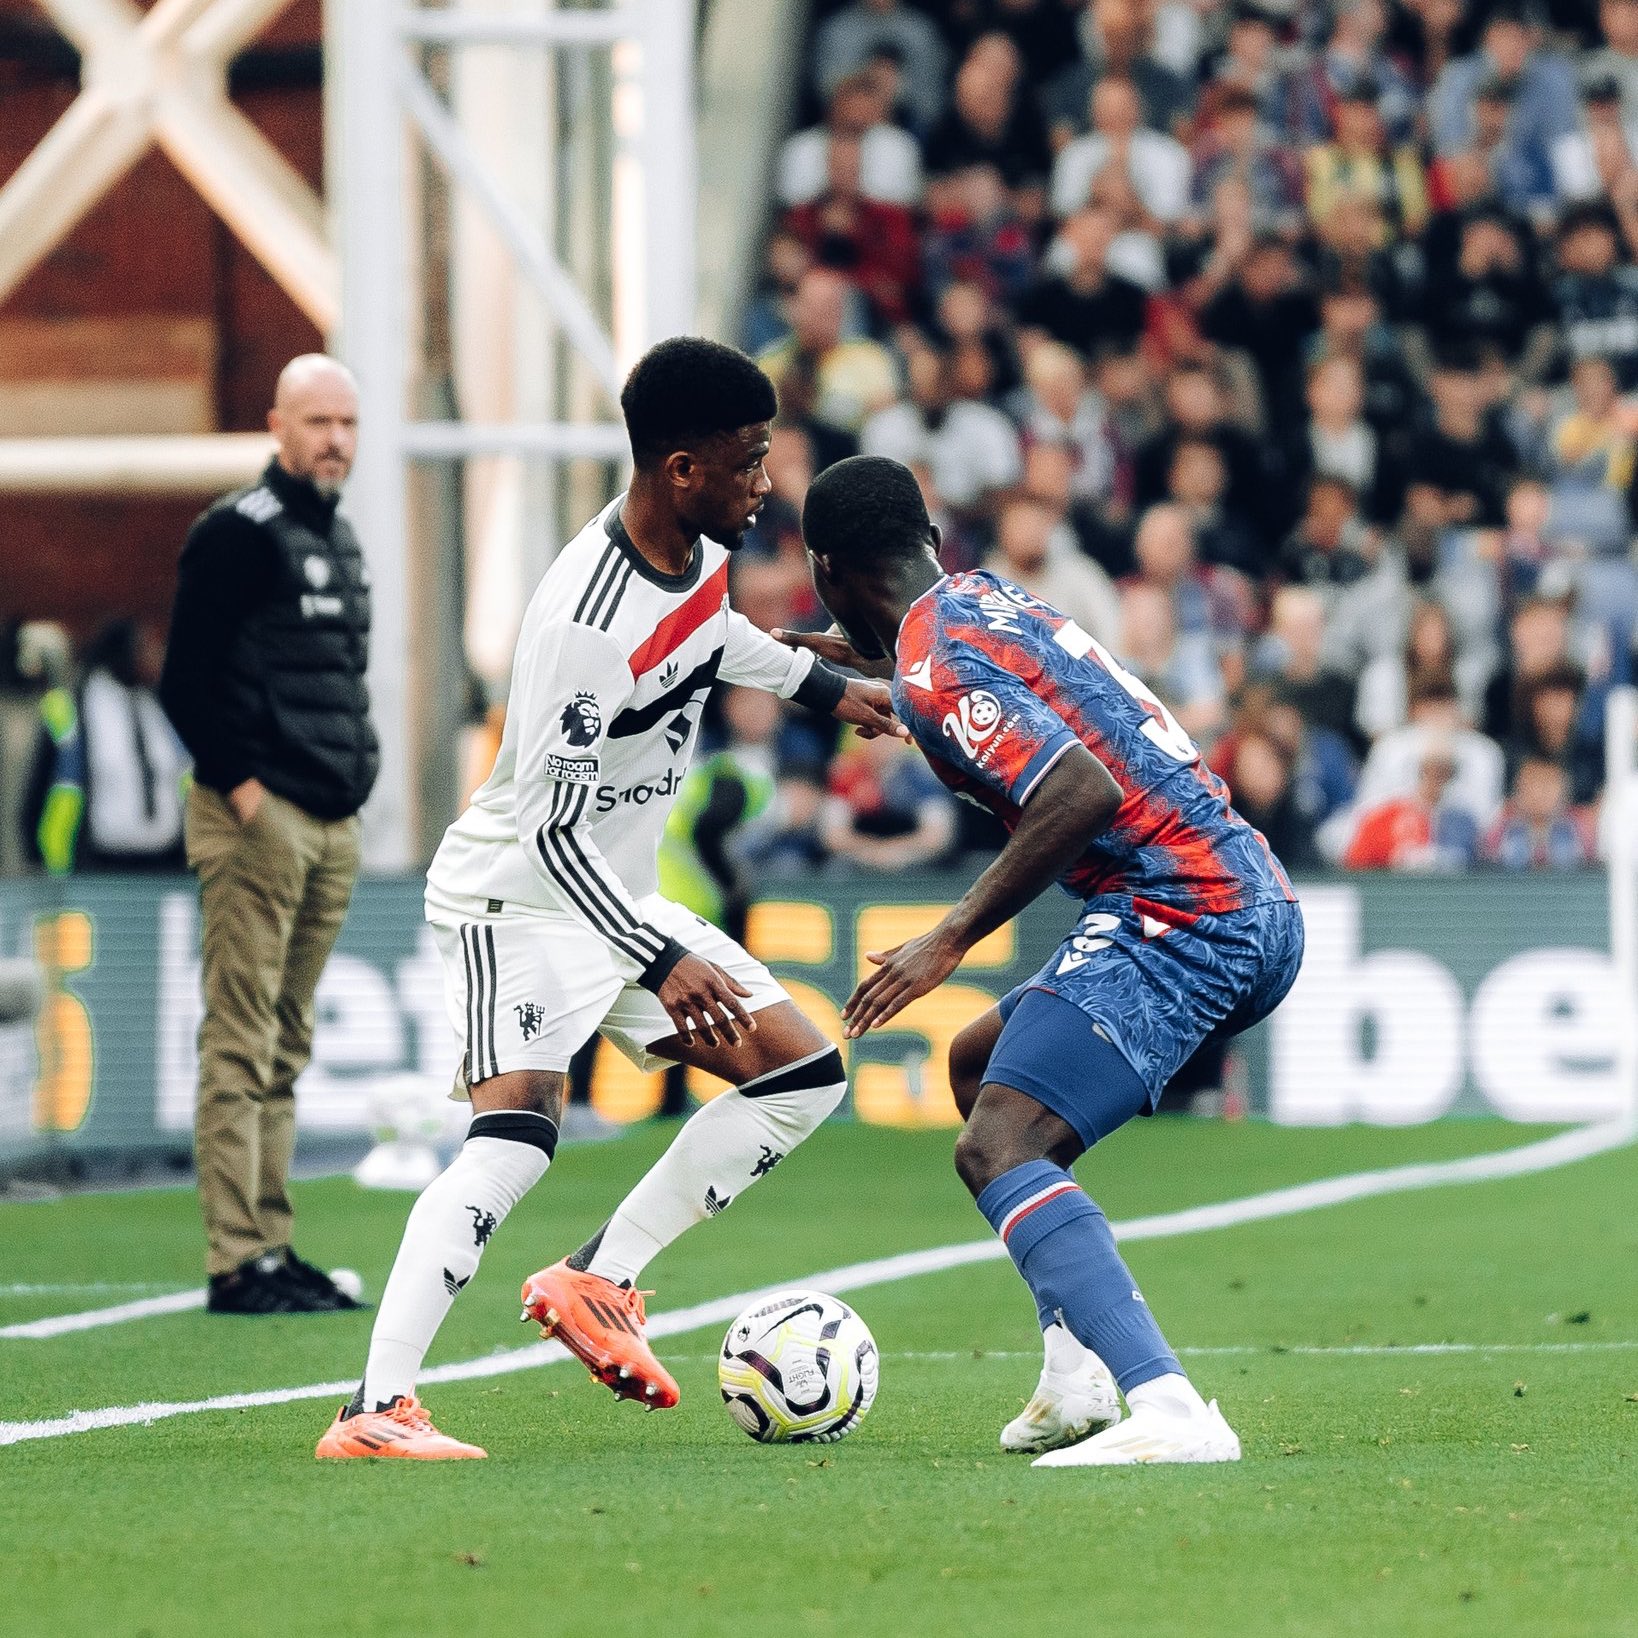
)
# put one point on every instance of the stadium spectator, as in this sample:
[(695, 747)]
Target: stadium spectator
[(1196, 406), (1260, 782), (976, 236), (1423, 830), (1599, 159), (1338, 441), (849, 40), (1589, 461), (1236, 145), (1595, 294), (1179, 666), (1551, 726), (1362, 162), (889, 159), (1199, 483), (109, 771), (993, 120), (1429, 648), (1462, 451), (767, 313), (1537, 829), (1206, 598), (1080, 301), (886, 809), (1252, 59), (1060, 409), (1617, 58), (1352, 67), (1392, 767), (1037, 551), (970, 449), (837, 380), (1487, 295), (873, 243), (264, 682), (1267, 312), (1292, 653), (1154, 166), (1118, 37), (1538, 642), (1330, 548), (1511, 61), (1351, 327)]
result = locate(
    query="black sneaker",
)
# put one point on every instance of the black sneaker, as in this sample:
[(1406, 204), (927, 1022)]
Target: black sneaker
[(315, 1283), (259, 1286)]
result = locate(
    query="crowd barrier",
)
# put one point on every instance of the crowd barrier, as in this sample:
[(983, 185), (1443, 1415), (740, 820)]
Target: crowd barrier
[(1418, 998)]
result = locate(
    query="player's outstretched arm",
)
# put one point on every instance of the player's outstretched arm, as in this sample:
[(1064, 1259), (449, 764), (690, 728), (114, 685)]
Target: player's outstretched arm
[(834, 646), (1074, 802)]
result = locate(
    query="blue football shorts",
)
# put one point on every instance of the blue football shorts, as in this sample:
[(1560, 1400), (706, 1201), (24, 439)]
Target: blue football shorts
[(1134, 989)]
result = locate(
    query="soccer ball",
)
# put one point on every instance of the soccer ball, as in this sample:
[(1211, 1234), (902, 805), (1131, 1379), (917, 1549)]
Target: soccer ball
[(798, 1367)]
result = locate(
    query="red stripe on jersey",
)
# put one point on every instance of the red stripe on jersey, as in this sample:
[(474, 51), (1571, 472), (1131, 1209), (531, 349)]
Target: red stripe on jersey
[(681, 623)]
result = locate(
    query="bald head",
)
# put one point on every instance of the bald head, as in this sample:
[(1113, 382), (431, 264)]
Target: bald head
[(314, 420)]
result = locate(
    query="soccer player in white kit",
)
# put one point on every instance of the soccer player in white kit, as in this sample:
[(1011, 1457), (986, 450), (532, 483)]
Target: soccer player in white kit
[(543, 901)]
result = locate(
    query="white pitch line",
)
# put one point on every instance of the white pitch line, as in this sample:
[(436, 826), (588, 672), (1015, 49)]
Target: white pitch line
[(1531, 1157), (61, 1288), (1320, 1350), (58, 1325)]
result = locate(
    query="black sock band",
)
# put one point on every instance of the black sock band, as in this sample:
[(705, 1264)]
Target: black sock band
[(517, 1126), (824, 1068)]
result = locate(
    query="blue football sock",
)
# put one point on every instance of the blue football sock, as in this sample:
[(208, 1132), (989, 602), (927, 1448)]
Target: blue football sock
[(1063, 1247)]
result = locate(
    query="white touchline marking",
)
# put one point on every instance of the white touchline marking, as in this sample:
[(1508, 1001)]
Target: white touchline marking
[(58, 1325), (58, 1288), (1271, 1350), (1542, 1156)]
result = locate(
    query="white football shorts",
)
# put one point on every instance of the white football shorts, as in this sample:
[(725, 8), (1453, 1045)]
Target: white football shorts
[(527, 988)]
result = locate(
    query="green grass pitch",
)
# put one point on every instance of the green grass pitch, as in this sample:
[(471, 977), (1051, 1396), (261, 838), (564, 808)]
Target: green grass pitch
[(1383, 1492)]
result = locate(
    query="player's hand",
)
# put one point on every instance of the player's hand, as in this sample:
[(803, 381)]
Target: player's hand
[(869, 707), (246, 799), (833, 645), (902, 974), (702, 999)]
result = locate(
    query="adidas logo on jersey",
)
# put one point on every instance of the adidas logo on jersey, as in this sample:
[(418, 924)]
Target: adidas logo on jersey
[(669, 674), (715, 1203)]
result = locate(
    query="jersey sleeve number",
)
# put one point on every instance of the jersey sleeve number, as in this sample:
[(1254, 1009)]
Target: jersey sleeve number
[(1163, 731)]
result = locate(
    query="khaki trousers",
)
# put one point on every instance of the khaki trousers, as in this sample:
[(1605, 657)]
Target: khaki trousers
[(273, 894)]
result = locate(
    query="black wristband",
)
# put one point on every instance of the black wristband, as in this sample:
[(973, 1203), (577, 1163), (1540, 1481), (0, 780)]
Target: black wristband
[(659, 969), (822, 689)]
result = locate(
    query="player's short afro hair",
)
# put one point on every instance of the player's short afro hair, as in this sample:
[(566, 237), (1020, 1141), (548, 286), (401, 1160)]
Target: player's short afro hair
[(864, 510), (688, 388)]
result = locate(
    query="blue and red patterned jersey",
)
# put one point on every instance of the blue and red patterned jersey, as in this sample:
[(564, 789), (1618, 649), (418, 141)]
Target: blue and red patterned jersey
[(995, 685)]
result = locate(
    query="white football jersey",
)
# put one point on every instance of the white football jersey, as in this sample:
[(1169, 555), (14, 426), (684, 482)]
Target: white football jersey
[(613, 666)]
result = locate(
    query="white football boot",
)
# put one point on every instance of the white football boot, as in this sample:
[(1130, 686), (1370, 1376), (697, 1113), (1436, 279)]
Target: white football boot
[(1076, 1396), (1151, 1434)]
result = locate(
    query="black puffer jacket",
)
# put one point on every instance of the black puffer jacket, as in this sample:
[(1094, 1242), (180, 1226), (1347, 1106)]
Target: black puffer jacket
[(264, 673)]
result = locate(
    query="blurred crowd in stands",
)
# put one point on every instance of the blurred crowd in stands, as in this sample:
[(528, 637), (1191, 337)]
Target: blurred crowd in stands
[(1290, 347), (1286, 345)]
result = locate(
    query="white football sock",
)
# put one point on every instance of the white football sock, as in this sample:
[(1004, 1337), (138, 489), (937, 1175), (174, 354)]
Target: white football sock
[(723, 1149), (1065, 1352), (505, 1154), (1172, 1395)]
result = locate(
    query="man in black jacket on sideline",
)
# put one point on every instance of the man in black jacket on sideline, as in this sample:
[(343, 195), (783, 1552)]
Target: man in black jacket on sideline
[(264, 681)]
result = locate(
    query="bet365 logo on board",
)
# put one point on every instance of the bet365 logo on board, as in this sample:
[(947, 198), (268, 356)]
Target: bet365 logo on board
[(974, 721)]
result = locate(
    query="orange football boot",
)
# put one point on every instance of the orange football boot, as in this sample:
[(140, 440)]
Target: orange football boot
[(601, 1324), (402, 1429)]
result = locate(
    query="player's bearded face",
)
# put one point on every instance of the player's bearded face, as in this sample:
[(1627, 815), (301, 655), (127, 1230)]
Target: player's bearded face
[(730, 484)]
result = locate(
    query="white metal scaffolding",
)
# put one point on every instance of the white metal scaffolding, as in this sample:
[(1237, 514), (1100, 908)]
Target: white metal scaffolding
[(160, 79)]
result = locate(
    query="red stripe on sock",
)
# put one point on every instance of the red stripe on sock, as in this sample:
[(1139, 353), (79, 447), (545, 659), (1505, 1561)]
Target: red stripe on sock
[(1011, 1223)]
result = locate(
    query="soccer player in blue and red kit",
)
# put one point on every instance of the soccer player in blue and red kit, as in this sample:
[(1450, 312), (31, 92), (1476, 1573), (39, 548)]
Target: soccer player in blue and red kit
[(1189, 929)]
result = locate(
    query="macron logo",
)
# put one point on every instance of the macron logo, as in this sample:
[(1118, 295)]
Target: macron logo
[(920, 675)]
